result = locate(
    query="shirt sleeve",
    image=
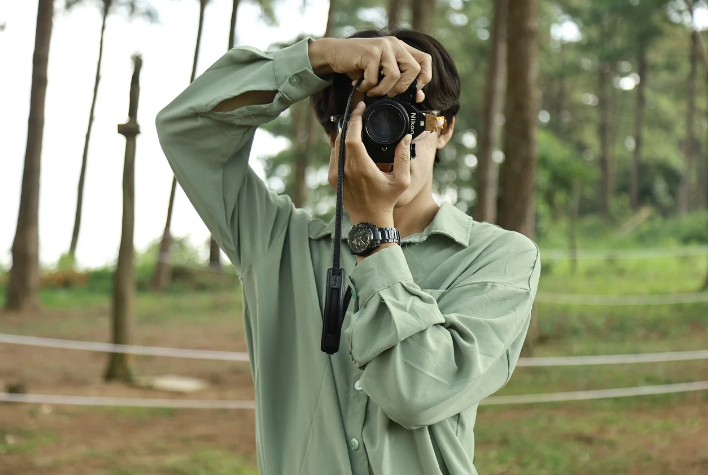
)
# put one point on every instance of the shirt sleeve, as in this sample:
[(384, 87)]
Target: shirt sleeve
[(208, 150), (425, 360)]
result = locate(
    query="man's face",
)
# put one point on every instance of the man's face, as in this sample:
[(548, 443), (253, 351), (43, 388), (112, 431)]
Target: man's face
[(422, 165)]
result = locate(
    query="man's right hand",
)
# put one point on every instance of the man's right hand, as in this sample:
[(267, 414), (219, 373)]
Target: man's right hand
[(400, 62)]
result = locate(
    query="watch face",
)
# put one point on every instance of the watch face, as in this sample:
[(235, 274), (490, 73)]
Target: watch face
[(360, 238)]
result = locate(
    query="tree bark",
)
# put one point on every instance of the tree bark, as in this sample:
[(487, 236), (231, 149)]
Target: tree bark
[(638, 126), (232, 30), (23, 285), (123, 308), (685, 190), (394, 13), (606, 178), (518, 174), (82, 174), (493, 104), (329, 29), (163, 269), (423, 13)]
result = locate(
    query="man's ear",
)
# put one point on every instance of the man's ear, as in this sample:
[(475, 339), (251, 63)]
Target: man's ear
[(446, 134)]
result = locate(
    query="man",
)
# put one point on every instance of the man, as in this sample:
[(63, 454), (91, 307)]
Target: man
[(437, 320)]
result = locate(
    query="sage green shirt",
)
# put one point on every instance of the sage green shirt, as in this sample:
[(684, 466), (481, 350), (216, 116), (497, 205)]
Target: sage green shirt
[(435, 325)]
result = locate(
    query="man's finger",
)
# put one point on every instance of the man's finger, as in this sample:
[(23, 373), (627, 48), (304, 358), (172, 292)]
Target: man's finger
[(426, 64), (354, 126), (402, 162)]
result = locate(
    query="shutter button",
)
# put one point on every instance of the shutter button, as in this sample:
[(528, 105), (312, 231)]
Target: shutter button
[(354, 444), (295, 80)]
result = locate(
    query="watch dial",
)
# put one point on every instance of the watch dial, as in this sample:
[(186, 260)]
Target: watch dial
[(360, 239)]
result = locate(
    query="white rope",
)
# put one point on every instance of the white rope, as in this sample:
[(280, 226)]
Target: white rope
[(597, 393), (127, 401), (236, 356), (226, 404), (613, 359), (113, 348), (662, 299), (625, 253)]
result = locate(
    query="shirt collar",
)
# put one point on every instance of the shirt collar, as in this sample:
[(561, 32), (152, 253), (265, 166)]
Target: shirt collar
[(448, 221)]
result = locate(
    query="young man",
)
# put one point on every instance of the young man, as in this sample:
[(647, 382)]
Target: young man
[(436, 321)]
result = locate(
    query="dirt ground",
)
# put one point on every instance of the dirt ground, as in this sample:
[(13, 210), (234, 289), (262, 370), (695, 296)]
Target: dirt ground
[(74, 440)]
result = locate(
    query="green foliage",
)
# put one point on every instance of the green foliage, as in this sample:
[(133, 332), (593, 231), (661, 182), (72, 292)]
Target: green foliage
[(132, 9)]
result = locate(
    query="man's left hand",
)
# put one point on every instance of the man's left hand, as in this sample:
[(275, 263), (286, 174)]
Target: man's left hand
[(371, 189)]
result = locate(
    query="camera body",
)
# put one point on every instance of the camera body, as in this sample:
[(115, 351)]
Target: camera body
[(386, 120)]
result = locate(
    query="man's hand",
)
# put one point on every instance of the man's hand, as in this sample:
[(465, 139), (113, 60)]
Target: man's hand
[(400, 62), (370, 190)]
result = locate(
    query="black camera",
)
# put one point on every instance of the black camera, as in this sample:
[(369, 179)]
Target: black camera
[(387, 120)]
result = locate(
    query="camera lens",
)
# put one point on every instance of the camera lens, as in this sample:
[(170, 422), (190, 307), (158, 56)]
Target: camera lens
[(385, 124)]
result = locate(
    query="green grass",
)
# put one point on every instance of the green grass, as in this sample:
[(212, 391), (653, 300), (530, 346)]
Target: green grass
[(20, 440), (201, 461)]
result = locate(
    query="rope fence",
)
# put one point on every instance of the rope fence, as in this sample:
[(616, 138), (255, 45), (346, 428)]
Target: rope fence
[(227, 404), (238, 356), (619, 300), (604, 254)]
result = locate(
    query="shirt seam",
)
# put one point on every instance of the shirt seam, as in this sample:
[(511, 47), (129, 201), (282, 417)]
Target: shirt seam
[(312, 423)]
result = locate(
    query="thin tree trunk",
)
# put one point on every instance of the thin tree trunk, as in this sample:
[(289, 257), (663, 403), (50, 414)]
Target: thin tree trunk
[(163, 269), (394, 13), (232, 30), (23, 286), (638, 126), (214, 252), (82, 175), (684, 192), (606, 179), (329, 29), (574, 207), (423, 12), (487, 170), (518, 180), (123, 308)]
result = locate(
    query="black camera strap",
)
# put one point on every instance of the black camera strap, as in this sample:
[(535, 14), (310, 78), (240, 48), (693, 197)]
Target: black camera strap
[(337, 297)]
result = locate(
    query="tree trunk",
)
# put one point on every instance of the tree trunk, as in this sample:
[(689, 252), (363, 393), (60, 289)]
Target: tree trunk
[(329, 29), (606, 178), (493, 104), (23, 286), (82, 174), (232, 30), (518, 180), (163, 269), (423, 12), (638, 126), (574, 207), (394, 13), (685, 190), (123, 308)]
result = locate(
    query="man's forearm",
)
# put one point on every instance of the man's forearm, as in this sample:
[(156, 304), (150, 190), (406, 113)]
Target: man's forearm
[(317, 51)]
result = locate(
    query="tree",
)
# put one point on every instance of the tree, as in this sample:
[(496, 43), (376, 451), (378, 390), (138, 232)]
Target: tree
[(123, 307), (690, 125), (163, 270), (23, 287), (393, 12), (518, 174), (422, 12), (487, 169), (134, 8)]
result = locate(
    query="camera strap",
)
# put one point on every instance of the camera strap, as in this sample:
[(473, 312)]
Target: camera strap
[(337, 297)]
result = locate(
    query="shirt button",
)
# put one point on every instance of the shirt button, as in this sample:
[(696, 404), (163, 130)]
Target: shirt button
[(357, 385), (295, 80), (353, 444)]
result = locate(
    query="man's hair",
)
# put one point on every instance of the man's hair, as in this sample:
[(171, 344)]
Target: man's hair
[(442, 93)]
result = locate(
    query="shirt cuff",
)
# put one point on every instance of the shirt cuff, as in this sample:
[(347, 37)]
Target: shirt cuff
[(380, 270), (294, 74)]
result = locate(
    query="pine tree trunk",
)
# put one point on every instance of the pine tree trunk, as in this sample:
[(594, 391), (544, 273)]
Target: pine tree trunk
[(123, 308), (23, 286), (487, 174), (232, 30), (685, 190), (606, 179), (82, 175), (329, 29), (423, 12), (638, 126), (394, 13), (163, 269), (518, 174)]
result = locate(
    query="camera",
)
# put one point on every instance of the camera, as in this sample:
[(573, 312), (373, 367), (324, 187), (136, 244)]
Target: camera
[(386, 120)]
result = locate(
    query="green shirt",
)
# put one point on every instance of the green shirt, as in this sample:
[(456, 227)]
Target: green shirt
[(435, 325)]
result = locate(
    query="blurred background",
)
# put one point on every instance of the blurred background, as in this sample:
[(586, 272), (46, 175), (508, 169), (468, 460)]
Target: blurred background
[(584, 125)]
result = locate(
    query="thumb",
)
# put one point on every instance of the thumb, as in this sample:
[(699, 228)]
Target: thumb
[(402, 160), (354, 126)]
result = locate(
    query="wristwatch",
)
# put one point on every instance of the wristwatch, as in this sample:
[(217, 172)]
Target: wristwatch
[(364, 238)]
